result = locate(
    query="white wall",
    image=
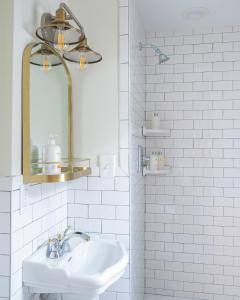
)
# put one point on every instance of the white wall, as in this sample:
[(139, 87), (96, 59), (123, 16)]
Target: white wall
[(24, 227), (27, 15), (101, 205), (102, 101), (6, 29), (192, 215), (95, 91)]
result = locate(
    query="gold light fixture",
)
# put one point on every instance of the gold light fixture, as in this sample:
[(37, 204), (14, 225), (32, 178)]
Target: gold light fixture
[(45, 59), (67, 39), (83, 55)]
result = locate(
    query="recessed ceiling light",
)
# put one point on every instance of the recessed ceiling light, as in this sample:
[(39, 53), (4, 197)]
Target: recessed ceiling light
[(196, 13)]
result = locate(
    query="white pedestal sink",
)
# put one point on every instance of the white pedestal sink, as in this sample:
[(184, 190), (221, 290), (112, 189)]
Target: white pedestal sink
[(84, 273)]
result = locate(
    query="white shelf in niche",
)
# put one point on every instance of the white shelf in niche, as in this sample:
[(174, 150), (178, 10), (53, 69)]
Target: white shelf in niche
[(155, 132), (164, 171)]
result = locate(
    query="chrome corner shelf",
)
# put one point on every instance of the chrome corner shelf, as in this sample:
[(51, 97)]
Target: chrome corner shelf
[(155, 132), (164, 171)]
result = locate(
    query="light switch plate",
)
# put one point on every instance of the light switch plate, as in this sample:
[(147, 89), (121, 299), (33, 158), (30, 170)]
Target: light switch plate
[(107, 165)]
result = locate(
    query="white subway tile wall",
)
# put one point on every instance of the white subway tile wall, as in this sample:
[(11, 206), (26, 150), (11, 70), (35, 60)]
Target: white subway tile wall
[(192, 215), (5, 271), (44, 216), (102, 209)]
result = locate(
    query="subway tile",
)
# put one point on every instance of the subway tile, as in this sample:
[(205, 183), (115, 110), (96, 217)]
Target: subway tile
[(123, 132), (88, 225), (115, 198), (5, 223), (123, 49), (203, 48), (122, 184), (87, 197), (123, 77), (193, 39), (32, 230), (123, 105), (98, 183), (4, 244), (5, 265), (123, 20), (102, 212), (4, 287), (5, 202), (115, 226)]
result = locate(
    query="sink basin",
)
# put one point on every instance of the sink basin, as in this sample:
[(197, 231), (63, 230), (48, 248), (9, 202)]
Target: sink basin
[(83, 273)]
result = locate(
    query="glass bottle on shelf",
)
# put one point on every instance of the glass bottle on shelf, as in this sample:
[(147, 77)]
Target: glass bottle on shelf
[(155, 121)]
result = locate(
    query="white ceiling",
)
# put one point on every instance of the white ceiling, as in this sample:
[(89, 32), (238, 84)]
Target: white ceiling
[(159, 14)]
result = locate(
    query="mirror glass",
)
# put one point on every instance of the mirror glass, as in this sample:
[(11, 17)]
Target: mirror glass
[(48, 104)]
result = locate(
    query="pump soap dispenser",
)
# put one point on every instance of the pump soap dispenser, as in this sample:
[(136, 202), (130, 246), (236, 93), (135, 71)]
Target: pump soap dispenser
[(51, 157)]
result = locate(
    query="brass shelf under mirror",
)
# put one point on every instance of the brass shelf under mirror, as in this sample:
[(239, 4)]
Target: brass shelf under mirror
[(80, 168), (47, 111), (65, 175)]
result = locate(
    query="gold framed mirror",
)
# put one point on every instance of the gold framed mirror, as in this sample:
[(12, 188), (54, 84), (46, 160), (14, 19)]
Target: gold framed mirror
[(47, 118)]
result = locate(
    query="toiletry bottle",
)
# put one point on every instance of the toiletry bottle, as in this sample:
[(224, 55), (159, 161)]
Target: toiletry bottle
[(155, 121), (35, 158), (51, 157), (153, 161), (161, 160)]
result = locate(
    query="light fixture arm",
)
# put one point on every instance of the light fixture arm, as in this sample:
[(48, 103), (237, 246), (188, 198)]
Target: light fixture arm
[(73, 17)]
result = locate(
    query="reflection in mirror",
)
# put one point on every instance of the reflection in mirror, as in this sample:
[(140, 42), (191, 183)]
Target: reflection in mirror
[(48, 88)]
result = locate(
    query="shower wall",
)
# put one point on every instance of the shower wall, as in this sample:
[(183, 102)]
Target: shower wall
[(193, 214), (136, 121)]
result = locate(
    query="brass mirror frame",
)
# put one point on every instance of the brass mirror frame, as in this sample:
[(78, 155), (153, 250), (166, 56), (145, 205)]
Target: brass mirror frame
[(68, 173)]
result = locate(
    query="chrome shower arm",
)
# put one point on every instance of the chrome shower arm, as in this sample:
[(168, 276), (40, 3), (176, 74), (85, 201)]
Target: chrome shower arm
[(150, 46), (162, 56), (73, 17), (144, 46)]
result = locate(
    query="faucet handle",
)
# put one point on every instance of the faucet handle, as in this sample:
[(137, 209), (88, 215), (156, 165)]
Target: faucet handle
[(61, 236), (65, 232), (54, 242)]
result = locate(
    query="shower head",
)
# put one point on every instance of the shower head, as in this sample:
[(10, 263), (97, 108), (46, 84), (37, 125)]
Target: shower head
[(162, 57)]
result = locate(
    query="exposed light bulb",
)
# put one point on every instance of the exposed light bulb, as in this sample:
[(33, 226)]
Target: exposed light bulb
[(46, 66), (60, 40), (83, 62)]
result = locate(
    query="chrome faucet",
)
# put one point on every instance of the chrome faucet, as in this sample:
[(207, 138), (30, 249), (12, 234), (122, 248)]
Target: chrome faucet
[(58, 246)]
